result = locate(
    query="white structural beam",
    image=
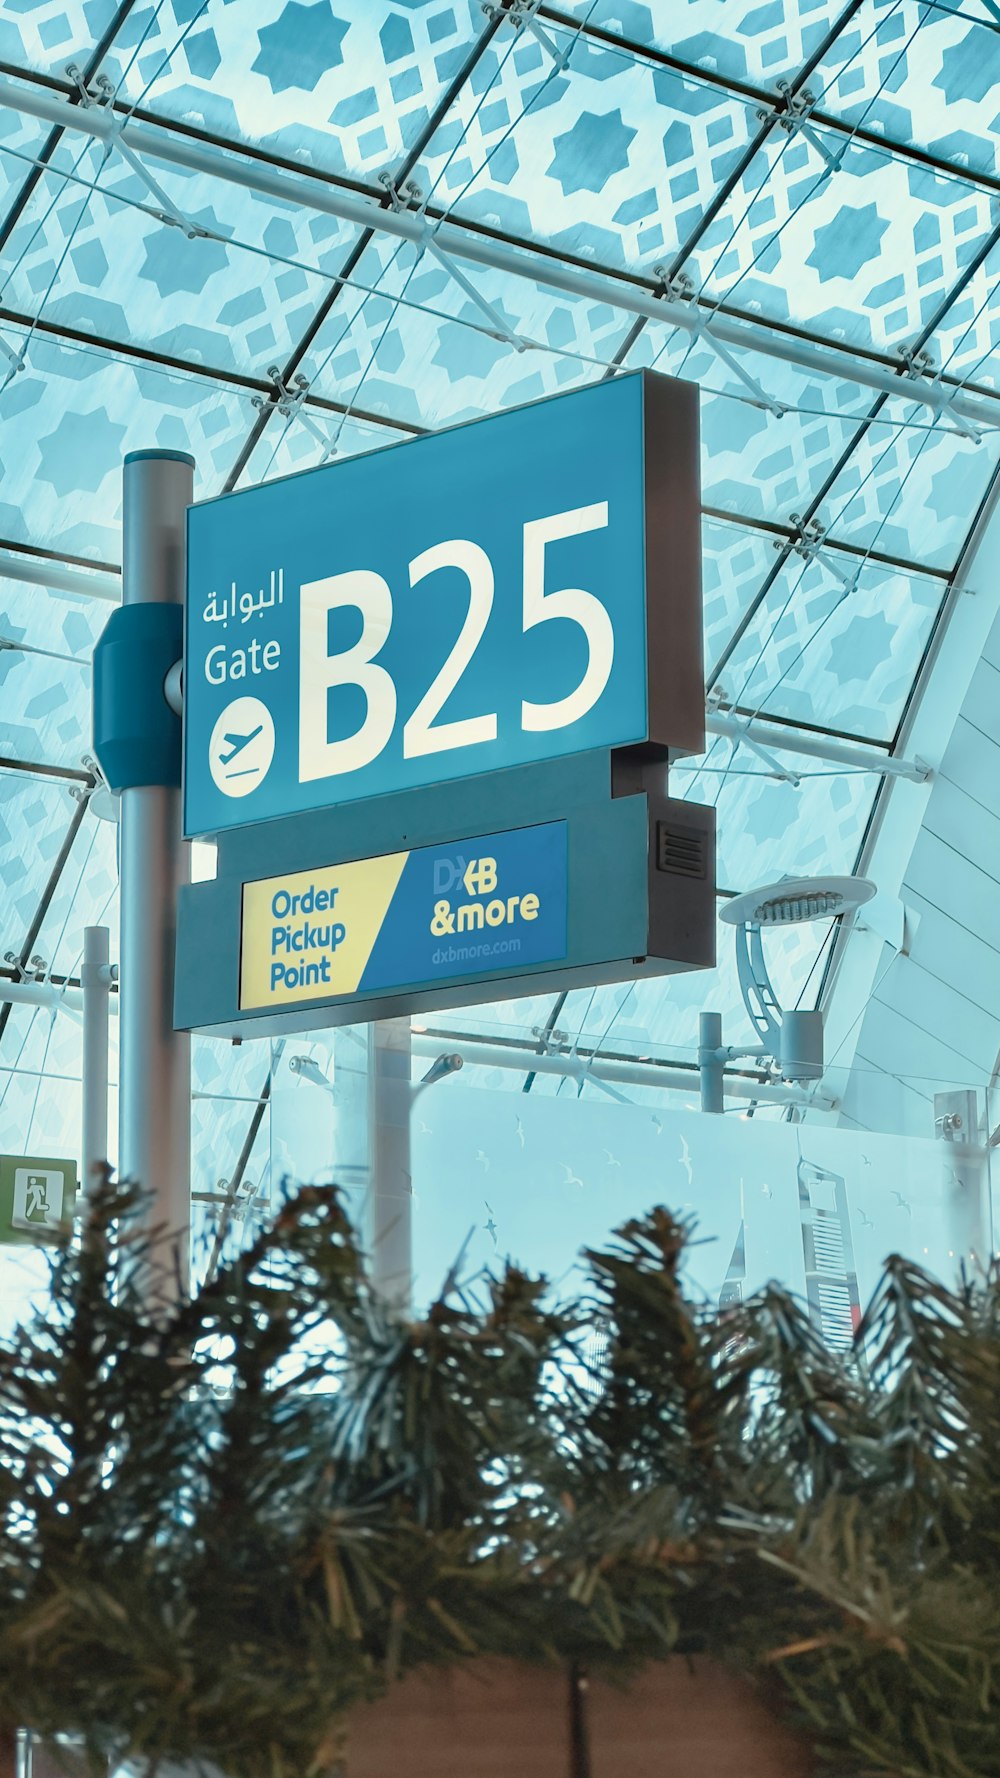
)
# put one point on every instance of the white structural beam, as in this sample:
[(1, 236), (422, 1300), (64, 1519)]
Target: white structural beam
[(304, 191), (827, 747), (525, 1059), (47, 994), (60, 577)]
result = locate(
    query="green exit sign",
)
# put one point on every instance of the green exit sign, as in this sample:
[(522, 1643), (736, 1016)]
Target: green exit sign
[(37, 1196)]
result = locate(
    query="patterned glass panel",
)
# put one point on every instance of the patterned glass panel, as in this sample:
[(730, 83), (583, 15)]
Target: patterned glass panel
[(69, 418), (234, 297), (740, 41), (47, 34), (86, 895), (924, 74), (770, 828), (834, 644), (511, 341), (344, 85), (39, 1084), (35, 814), (771, 433), (46, 641), (605, 158), (865, 250), (911, 492)]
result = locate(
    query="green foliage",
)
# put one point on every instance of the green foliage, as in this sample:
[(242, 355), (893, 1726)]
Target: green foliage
[(224, 1519)]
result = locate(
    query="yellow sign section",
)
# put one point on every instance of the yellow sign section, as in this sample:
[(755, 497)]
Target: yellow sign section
[(310, 934)]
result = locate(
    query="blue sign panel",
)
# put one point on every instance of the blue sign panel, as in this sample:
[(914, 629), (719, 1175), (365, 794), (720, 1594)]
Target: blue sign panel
[(456, 604), (494, 904)]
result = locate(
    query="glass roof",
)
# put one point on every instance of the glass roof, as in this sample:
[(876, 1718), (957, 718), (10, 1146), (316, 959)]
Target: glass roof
[(810, 185)]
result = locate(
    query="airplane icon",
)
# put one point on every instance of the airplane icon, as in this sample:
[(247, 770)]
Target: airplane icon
[(236, 744), (241, 746)]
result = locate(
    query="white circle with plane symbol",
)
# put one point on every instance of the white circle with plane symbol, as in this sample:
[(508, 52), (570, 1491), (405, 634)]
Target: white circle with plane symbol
[(242, 747)]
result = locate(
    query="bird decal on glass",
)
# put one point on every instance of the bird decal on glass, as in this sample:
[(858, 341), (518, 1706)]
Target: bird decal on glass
[(685, 1160)]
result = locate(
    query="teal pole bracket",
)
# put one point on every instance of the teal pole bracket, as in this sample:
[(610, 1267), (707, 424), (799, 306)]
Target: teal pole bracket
[(137, 735)]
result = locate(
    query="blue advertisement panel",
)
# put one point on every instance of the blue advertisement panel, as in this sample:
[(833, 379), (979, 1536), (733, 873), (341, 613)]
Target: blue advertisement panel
[(495, 903), (450, 606)]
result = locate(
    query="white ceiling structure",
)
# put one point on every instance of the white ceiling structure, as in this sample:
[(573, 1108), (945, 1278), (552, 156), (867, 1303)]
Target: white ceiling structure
[(272, 232)]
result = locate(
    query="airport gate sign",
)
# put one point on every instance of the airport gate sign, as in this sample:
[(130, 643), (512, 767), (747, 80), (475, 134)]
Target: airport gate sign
[(454, 605)]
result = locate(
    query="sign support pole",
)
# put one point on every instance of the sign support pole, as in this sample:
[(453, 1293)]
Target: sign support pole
[(391, 1196), (95, 977), (711, 1068), (155, 1097)]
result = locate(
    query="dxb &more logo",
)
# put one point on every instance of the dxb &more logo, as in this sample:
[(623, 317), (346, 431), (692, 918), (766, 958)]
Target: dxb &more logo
[(478, 878)]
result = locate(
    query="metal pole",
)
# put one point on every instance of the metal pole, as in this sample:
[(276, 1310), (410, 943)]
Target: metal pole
[(965, 1159), (353, 1053), (154, 1127), (967, 1196), (390, 1219), (95, 975), (584, 1065), (60, 576), (711, 1066), (68, 1000), (789, 740)]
